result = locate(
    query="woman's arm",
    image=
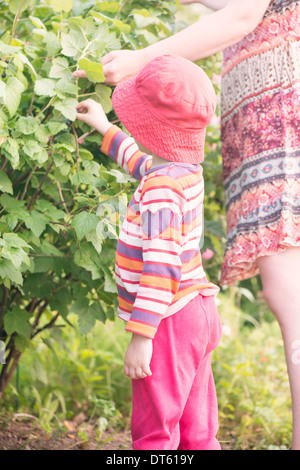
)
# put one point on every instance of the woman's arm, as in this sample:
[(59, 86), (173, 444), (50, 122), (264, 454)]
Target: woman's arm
[(211, 34), (214, 32), (212, 4)]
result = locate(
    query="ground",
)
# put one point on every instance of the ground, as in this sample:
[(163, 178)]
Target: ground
[(19, 431)]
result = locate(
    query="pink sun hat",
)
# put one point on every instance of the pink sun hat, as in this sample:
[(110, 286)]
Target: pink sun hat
[(167, 108)]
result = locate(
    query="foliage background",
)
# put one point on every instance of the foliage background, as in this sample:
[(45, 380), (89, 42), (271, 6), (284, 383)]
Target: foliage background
[(61, 204)]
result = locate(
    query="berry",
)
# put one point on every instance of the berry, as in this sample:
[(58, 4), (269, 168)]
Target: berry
[(3, 75), (7, 61)]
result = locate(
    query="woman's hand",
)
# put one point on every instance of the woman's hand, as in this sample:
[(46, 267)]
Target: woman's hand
[(91, 112), (138, 357), (120, 65)]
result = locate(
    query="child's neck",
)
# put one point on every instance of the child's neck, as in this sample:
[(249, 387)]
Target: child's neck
[(158, 161)]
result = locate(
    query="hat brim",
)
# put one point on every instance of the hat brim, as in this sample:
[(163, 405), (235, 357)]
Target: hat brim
[(166, 141)]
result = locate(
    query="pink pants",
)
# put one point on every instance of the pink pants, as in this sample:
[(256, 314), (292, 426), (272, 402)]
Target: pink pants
[(176, 407)]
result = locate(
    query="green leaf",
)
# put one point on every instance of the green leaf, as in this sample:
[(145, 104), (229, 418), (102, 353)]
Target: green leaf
[(86, 155), (2, 89), (73, 44), (67, 107), (94, 70), (27, 125), (111, 6), (17, 321), (16, 6), (86, 317), (22, 342), (83, 223), (61, 301), (86, 320), (83, 177), (35, 151), (13, 92), (56, 127), (66, 86), (86, 26), (37, 22), (60, 69), (103, 94), (95, 239), (16, 255), (11, 248), (52, 44), (120, 25), (36, 222), (112, 42), (61, 5), (79, 6), (44, 87), (25, 61), (10, 204), (91, 166), (109, 285), (15, 240), (5, 183), (10, 149), (9, 272)]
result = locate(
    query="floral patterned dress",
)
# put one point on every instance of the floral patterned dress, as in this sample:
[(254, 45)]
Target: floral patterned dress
[(260, 127)]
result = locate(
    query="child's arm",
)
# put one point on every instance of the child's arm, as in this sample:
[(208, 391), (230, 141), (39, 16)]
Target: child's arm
[(161, 206), (116, 144), (138, 357)]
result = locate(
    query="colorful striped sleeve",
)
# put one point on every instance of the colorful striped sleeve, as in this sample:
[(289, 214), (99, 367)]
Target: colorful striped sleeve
[(124, 151), (161, 206)]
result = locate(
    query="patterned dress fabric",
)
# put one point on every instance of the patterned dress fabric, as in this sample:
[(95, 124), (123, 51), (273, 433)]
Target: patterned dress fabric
[(260, 128)]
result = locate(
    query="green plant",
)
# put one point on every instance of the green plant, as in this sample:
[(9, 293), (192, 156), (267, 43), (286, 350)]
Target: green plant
[(251, 380), (57, 243)]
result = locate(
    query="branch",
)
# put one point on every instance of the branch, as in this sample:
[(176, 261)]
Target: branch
[(49, 325), (4, 164), (40, 185), (62, 198), (4, 301), (27, 182)]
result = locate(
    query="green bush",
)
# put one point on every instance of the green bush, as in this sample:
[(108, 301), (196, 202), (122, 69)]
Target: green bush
[(59, 199)]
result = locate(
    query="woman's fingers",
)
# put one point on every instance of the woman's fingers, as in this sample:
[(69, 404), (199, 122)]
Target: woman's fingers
[(79, 73)]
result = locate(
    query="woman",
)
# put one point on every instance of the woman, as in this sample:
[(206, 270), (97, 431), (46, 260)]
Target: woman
[(260, 130)]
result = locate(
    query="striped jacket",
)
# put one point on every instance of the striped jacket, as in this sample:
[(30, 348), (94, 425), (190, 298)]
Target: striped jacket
[(158, 262)]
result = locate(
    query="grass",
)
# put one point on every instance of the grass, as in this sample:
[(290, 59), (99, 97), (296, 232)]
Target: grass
[(67, 374)]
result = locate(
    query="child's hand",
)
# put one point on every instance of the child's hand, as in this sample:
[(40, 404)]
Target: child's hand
[(138, 357), (91, 112)]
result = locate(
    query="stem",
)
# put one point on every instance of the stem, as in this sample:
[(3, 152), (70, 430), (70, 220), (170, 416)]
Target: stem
[(62, 198), (31, 104), (77, 152), (4, 301), (27, 182), (4, 164), (46, 107), (40, 185), (15, 23), (49, 325), (6, 376)]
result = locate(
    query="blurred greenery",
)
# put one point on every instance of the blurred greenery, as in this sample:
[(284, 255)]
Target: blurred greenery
[(67, 373)]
